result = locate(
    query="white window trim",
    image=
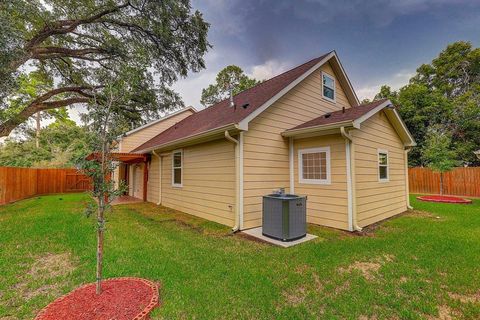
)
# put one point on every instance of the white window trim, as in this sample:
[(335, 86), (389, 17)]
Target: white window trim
[(378, 165), (334, 100), (300, 166), (177, 185)]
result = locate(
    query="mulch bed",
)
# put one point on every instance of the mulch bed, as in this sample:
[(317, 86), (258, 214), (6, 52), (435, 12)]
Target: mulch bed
[(121, 299), (445, 199)]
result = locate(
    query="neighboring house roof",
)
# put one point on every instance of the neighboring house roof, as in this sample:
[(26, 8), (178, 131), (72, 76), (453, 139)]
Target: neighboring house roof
[(354, 117), (258, 98), (165, 117)]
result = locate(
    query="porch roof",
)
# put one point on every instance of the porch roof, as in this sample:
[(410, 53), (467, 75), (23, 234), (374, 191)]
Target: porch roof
[(124, 157)]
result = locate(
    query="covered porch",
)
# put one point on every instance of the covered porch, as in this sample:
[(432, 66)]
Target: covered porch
[(132, 169)]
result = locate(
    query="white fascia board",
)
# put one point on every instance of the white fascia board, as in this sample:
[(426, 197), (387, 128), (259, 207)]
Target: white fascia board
[(350, 86), (272, 100), (293, 133), (370, 113), (393, 115), (191, 137), (399, 120)]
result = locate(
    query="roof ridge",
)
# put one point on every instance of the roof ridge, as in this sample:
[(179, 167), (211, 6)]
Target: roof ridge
[(289, 70), (219, 114), (380, 101), (272, 78)]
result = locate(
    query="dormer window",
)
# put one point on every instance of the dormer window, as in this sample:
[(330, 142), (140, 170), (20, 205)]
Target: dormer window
[(328, 87)]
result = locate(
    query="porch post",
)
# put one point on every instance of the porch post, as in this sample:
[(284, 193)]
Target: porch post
[(145, 180)]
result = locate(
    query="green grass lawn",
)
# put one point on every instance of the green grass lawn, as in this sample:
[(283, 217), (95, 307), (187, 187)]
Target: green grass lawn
[(425, 264)]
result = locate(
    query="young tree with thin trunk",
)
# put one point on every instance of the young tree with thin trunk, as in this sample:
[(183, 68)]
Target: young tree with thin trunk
[(437, 152), (103, 120)]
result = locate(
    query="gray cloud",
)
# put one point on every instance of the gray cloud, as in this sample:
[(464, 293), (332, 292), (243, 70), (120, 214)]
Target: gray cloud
[(379, 12)]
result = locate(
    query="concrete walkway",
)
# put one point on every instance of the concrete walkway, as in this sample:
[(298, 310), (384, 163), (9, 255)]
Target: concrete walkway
[(125, 200)]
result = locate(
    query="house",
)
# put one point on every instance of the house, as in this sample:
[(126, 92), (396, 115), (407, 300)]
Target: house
[(131, 168), (303, 130)]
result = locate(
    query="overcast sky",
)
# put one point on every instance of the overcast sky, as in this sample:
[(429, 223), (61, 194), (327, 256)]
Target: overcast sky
[(379, 42)]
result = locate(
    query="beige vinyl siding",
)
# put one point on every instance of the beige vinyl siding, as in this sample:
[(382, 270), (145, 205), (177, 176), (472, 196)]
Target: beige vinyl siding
[(377, 200), (137, 138), (208, 189), (327, 203), (153, 182), (266, 161)]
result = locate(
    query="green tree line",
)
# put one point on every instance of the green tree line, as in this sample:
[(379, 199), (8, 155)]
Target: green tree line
[(443, 98), (61, 144)]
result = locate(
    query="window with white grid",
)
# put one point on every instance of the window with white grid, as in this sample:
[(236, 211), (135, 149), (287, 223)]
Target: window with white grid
[(314, 165), (177, 168), (383, 165)]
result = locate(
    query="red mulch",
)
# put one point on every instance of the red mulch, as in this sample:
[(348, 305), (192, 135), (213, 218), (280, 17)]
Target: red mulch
[(445, 199), (121, 299)]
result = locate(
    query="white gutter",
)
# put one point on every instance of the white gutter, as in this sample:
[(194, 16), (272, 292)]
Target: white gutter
[(204, 134), (160, 159), (349, 153), (239, 179), (291, 165), (337, 125), (407, 187)]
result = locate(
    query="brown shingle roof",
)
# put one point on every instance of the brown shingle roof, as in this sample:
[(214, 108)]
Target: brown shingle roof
[(349, 114), (221, 114)]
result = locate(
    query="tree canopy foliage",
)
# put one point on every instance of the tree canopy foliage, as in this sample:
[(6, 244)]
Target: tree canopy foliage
[(231, 77), (76, 47), (437, 152), (61, 144), (444, 94)]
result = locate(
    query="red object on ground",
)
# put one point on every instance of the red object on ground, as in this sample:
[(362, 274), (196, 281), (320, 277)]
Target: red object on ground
[(445, 199), (121, 299)]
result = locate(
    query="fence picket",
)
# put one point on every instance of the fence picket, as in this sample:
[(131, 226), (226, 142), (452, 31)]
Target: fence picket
[(460, 181), (21, 183)]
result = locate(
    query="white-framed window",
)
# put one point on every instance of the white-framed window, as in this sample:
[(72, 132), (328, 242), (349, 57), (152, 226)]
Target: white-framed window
[(177, 168), (383, 174), (328, 87), (314, 165)]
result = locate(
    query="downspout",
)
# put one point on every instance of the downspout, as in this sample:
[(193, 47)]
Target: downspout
[(407, 186), (238, 179), (349, 155), (160, 159), (291, 164)]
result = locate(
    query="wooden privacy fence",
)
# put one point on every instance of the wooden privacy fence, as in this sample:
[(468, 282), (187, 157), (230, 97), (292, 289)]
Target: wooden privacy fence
[(460, 181), (21, 183)]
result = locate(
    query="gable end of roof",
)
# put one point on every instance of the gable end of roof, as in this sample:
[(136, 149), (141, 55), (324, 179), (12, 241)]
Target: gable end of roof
[(258, 99), (165, 117)]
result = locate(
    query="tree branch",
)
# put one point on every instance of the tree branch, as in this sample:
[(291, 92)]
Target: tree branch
[(58, 52), (78, 89), (9, 125), (58, 28)]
